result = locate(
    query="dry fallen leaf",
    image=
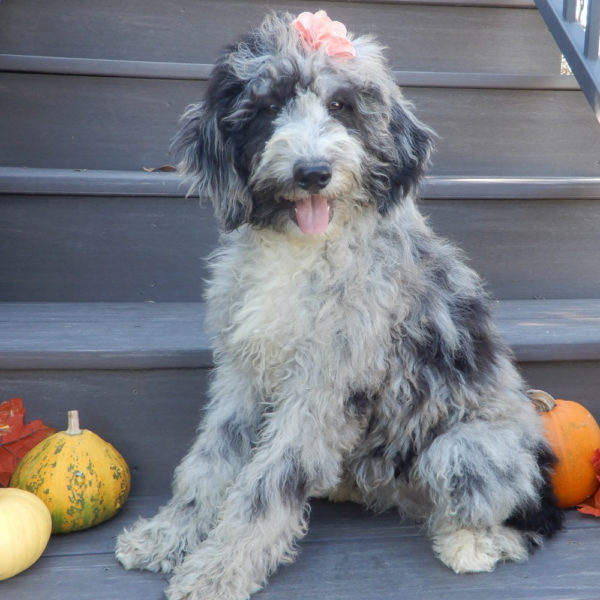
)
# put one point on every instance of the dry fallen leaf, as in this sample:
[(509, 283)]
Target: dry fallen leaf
[(17, 437), (164, 168), (591, 506)]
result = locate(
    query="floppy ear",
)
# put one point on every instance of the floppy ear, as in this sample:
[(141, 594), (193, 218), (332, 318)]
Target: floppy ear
[(414, 142), (206, 157), (406, 155)]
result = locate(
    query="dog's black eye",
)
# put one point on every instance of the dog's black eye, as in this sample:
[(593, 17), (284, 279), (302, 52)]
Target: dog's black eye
[(335, 105), (271, 110)]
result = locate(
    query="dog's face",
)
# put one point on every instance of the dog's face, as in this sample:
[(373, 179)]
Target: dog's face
[(288, 135)]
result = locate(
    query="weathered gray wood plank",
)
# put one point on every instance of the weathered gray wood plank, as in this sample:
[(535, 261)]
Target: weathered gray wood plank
[(90, 122), (526, 249), (101, 67), (329, 522), (99, 249), (72, 182), (551, 330), (150, 416), (59, 65), (118, 249), (419, 36), (81, 182), (348, 553), (172, 335), (571, 380), (509, 132), (103, 336), (514, 188), (131, 122)]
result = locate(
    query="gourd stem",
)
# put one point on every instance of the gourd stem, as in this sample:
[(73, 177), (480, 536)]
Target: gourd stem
[(542, 401), (73, 423)]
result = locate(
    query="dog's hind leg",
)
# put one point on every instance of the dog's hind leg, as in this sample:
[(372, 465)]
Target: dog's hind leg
[(222, 447), (299, 453), (480, 475)]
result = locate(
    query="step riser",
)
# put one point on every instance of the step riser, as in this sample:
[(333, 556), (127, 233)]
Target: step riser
[(502, 40), (124, 123), (119, 249), (151, 416), (104, 249), (526, 249)]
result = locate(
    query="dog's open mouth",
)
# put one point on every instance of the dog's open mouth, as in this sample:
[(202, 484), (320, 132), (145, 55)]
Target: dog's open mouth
[(312, 214)]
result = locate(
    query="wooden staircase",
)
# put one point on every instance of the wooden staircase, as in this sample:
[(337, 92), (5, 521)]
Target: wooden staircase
[(102, 263)]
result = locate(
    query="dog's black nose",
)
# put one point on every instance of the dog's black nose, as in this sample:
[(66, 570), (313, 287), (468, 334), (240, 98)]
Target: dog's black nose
[(312, 176)]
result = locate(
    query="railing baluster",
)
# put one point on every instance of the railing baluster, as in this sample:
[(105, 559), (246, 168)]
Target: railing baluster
[(569, 10), (592, 30), (578, 47)]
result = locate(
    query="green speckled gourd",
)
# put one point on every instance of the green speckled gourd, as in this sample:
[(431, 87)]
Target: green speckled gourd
[(82, 479)]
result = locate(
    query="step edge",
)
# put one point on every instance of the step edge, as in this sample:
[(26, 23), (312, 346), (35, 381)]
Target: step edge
[(544, 348), (138, 69), (105, 361), (525, 4), (67, 182)]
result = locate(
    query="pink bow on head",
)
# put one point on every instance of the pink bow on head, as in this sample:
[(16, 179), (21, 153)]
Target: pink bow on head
[(319, 31)]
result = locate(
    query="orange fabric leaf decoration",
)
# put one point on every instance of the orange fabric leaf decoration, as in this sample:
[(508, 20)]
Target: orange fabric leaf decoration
[(17, 437), (592, 505)]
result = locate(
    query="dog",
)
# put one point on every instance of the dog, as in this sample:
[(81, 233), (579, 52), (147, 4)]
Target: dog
[(355, 352)]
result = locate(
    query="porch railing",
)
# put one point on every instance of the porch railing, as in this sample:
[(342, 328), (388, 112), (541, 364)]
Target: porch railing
[(578, 43)]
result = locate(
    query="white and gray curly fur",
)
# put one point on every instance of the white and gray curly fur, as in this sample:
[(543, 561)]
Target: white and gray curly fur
[(356, 363)]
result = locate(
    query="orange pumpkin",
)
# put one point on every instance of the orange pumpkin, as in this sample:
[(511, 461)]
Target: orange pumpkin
[(573, 434)]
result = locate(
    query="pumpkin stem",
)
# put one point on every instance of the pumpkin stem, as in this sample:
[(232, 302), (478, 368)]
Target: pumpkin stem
[(73, 423), (542, 401)]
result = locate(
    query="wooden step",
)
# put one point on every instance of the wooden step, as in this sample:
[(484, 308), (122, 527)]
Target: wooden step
[(149, 415), (114, 236), (50, 336), (139, 370), (140, 183), (348, 553), (149, 412), (126, 123), (103, 336), (101, 85), (506, 36), (484, 88)]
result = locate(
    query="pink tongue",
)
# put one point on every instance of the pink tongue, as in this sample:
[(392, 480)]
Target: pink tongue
[(312, 214)]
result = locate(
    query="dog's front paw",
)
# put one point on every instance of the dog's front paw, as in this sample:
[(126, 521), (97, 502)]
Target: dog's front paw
[(212, 573), (476, 551), (203, 588), (149, 545)]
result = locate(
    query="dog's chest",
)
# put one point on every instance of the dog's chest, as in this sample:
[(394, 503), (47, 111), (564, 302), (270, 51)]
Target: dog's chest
[(284, 298), (284, 309)]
